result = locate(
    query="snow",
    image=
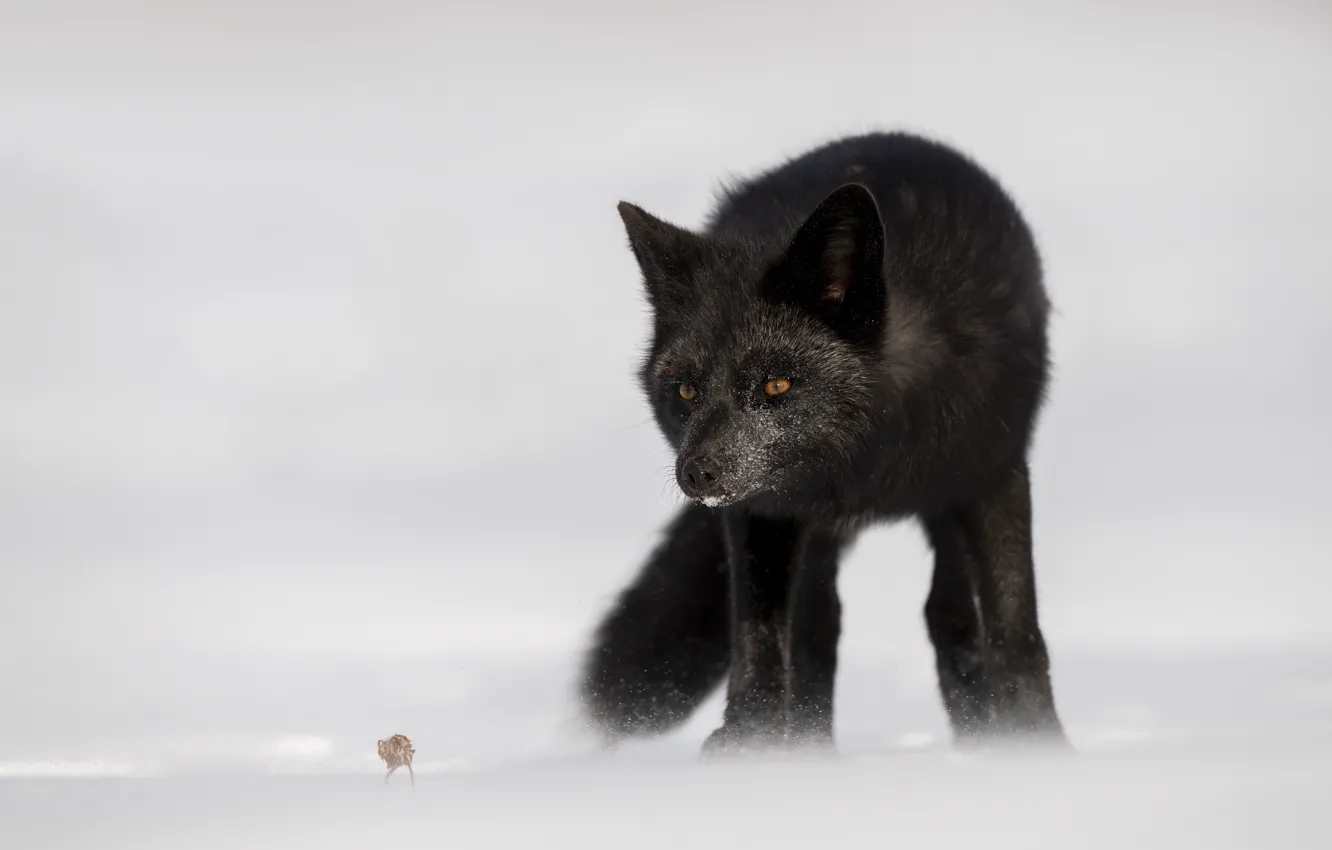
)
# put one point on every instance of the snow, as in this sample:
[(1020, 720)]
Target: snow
[(1179, 750), (912, 800), (318, 419)]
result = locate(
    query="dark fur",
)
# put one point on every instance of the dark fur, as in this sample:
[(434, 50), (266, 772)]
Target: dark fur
[(897, 287)]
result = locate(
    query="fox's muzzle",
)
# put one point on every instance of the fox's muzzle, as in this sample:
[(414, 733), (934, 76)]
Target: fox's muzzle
[(700, 477)]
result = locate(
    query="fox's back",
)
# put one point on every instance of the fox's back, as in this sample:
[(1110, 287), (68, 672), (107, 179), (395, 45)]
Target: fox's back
[(948, 224)]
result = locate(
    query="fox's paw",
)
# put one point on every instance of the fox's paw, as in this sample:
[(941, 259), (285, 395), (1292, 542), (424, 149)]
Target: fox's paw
[(732, 741), (1025, 739), (722, 743)]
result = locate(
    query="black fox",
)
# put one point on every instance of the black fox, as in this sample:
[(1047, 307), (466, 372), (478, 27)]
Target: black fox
[(857, 335)]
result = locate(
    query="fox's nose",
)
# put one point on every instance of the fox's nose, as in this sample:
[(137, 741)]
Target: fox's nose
[(700, 476)]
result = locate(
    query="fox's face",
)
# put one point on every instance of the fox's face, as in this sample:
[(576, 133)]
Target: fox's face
[(763, 362)]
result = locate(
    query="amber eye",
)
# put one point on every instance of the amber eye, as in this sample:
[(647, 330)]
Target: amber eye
[(687, 392), (777, 386)]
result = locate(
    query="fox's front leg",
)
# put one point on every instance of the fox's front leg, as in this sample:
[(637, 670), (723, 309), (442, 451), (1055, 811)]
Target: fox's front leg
[(816, 626), (762, 556), (390, 773)]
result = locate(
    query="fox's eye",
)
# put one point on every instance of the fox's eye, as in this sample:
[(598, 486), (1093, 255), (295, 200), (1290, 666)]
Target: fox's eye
[(687, 392), (777, 386)]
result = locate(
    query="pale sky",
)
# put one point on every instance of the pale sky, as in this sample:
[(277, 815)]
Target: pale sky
[(297, 301)]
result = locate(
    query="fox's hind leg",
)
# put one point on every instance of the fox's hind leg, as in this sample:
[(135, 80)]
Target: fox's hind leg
[(998, 528), (411, 773), (954, 624), (665, 644)]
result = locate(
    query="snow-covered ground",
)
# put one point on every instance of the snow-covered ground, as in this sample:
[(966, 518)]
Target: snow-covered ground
[(1182, 751), (317, 417), (1159, 800)]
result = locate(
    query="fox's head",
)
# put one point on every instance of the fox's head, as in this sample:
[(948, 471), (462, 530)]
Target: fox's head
[(763, 360)]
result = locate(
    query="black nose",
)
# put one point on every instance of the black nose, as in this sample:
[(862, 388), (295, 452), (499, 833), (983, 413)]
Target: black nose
[(700, 476)]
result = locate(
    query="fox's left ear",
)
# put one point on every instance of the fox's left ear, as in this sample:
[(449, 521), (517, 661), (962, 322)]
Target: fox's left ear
[(834, 265)]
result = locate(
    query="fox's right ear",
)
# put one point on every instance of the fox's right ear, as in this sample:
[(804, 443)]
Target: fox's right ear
[(666, 254)]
